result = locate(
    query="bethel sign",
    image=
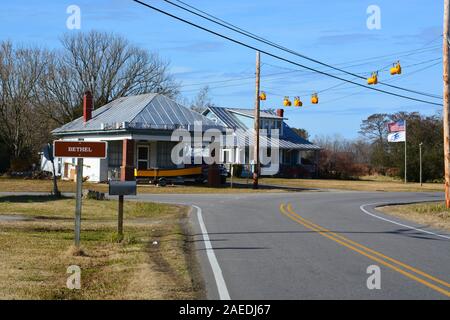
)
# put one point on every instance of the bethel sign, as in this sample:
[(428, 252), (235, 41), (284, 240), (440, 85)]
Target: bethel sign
[(80, 149)]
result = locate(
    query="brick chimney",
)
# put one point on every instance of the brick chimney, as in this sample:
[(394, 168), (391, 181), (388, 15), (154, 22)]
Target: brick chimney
[(87, 106), (280, 113)]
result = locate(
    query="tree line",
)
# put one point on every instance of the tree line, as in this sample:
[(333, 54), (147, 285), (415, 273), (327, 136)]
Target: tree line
[(41, 89), (372, 154)]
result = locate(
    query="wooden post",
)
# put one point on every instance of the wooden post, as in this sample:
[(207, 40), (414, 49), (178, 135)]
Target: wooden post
[(446, 119), (256, 123), (78, 201), (120, 219)]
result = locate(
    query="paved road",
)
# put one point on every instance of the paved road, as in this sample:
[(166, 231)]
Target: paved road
[(263, 248), (314, 245)]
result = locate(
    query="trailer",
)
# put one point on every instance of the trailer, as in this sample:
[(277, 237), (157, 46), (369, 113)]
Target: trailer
[(163, 176)]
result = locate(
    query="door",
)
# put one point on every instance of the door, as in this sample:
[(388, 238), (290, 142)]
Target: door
[(142, 158)]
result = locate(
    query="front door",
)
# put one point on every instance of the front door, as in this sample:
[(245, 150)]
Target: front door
[(142, 158)]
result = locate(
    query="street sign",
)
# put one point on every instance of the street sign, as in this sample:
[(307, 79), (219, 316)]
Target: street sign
[(80, 149)]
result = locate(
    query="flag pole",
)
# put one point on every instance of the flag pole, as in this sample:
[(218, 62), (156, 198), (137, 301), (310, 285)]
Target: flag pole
[(405, 152)]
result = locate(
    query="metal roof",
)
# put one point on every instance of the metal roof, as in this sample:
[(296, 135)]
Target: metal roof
[(146, 111), (251, 113), (289, 139)]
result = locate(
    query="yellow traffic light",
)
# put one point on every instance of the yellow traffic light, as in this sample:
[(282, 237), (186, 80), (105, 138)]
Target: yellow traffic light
[(298, 102), (396, 69), (287, 102), (315, 98), (373, 79), (262, 96)]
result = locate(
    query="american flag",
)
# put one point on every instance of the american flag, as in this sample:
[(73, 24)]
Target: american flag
[(397, 126)]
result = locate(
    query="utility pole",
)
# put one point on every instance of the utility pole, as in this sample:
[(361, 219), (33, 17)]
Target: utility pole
[(446, 116), (420, 160), (256, 123)]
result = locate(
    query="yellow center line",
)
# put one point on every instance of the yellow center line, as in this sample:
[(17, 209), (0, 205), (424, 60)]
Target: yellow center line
[(295, 217), (426, 275)]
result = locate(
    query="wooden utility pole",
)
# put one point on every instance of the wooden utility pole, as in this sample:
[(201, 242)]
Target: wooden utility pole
[(446, 102), (256, 167)]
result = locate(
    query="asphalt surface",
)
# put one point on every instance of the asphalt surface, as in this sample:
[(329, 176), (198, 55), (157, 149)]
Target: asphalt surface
[(259, 246), (267, 252)]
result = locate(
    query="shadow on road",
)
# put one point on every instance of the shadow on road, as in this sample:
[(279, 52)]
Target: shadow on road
[(404, 232)]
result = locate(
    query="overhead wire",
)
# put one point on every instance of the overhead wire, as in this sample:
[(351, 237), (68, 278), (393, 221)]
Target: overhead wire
[(241, 31), (278, 57)]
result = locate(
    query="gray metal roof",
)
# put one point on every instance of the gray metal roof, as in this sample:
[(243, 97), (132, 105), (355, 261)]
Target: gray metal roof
[(289, 139), (146, 111), (268, 114)]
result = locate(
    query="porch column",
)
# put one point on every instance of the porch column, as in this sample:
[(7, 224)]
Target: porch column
[(127, 167)]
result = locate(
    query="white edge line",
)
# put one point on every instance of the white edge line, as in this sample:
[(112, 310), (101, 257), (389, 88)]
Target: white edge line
[(218, 276), (362, 207)]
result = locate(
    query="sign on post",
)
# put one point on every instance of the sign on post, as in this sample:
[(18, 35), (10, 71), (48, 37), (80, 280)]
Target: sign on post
[(79, 150)]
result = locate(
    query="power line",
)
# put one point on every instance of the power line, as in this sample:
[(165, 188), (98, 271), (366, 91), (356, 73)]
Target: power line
[(241, 31), (392, 80), (361, 91), (278, 57)]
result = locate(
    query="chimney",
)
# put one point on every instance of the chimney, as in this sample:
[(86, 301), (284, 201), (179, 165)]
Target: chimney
[(280, 113), (87, 106)]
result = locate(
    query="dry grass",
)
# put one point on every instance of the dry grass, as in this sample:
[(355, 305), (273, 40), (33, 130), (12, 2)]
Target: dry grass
[(35, 253), (368, 184), (22, 185), (433, 214)]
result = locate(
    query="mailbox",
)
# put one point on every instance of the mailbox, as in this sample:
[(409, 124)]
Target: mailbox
[(122, 188)]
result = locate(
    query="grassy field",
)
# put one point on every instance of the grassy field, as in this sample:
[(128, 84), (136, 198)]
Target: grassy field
[(371, 183), (433, 214), (365, 184), (36, 251), (21, 185)]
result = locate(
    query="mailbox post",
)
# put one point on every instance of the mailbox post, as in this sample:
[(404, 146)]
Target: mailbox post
[(121, 189)]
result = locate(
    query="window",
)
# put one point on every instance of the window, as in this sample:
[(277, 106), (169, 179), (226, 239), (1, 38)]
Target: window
[(164, 159), (114, 154), (142, 159)]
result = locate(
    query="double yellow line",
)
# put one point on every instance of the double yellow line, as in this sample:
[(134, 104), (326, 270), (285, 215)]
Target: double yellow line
[(376, 256)]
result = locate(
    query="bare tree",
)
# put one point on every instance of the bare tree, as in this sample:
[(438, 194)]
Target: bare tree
[(202, 100), (20, 72), (375, 127), (106, 64)]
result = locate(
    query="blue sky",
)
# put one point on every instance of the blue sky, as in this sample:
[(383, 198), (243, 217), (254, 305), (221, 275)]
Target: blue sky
[(328, 30)]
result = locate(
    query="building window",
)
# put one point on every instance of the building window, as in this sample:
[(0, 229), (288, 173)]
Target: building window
[(114, 154), (142, 158), (164, 159)]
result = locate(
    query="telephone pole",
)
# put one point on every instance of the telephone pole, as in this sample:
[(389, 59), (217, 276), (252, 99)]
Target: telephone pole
[(446, 116), (256, 123)]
